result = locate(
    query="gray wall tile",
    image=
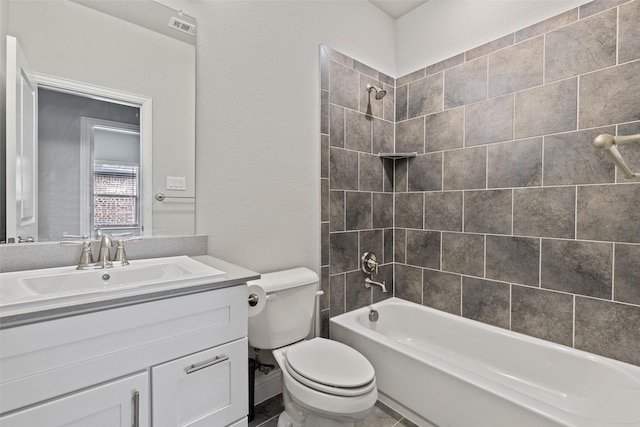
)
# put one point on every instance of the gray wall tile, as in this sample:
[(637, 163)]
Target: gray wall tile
[(513, 259), (358, 210), (629, 32), (544, 212), (357, 132), (371, 173), (463, 253), (542, 314), (372, 241), (324, 112), (345, 90), (610, 96), (443, 211), (571, 158), (385, 275), (343, 169), (382, 210), (399, 245), (410, 136), (336, 295), (444, 64), (516, 68), (547, 25), (324, 156), (630, 152), (515, 164), (324, 200), (597, 6), (408, 283), (425, 172), (587, 45), (423, 248), (609, 212), (627, 273), (485, 301), (400, 175), (409, 210), (425, 96), (336, 210), (401, 103), (444, 131), (546, 109), (357, 296), (487, 211), (582, 268), (343, 252), (442, 290), (382, 136), (336, 126), (612, 330), (416, 75), (490, 47), (324, 244), (465, 169), (465, 83), (489, 121)]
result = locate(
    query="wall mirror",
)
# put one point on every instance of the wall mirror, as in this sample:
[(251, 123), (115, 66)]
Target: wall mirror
[(100, 108)]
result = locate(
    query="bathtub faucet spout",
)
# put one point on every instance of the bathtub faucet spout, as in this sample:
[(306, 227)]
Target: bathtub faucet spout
[(368, 282)]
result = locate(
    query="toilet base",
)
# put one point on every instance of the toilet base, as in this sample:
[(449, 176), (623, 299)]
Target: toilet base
[(297, 415)]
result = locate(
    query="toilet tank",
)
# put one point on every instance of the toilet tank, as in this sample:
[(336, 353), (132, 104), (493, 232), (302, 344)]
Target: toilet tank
[(288, 312)]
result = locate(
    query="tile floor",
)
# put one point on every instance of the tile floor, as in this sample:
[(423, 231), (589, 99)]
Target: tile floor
[(266, 415)]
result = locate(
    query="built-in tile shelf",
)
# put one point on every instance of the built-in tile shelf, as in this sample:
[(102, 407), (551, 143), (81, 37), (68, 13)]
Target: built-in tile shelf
[(396, 156)]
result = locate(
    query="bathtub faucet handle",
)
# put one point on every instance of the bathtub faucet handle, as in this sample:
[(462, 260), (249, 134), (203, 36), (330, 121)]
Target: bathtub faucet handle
[(369, 263)]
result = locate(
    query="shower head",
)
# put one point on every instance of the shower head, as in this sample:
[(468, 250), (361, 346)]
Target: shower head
[(380, 93)]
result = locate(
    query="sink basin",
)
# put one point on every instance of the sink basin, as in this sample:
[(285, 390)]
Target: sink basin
[(20, 291)]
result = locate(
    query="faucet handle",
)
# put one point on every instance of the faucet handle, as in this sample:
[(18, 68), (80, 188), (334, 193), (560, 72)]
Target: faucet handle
[(86, 257), (121, 256), (369, 263)]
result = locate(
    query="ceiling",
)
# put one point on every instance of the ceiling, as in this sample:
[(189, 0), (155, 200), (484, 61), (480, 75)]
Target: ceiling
[(397, 8)]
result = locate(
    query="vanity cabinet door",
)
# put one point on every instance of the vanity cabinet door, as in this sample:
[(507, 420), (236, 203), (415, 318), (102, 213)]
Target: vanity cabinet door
[(208, 388), (121, 403)]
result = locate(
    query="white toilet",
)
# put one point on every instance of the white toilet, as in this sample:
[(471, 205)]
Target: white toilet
[(324, 383)]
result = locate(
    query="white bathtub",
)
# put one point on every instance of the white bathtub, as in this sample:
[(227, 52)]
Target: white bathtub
[(445, 370)]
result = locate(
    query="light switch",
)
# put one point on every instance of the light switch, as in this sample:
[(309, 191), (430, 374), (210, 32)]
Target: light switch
[(176, 183)]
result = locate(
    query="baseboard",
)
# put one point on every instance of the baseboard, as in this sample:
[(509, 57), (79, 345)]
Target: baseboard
[(267, 386)]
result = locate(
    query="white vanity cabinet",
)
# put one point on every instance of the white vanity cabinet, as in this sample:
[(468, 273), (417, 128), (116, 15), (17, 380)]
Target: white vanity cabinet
[(178, 361)]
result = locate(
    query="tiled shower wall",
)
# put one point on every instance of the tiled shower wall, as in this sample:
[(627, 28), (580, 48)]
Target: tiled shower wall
[(508, 215), (356, 184)]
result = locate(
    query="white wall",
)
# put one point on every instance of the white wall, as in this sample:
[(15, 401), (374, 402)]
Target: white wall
[(440, 29), (258, 148)]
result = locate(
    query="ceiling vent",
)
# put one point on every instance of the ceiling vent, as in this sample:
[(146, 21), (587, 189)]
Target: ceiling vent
[(180, 25)]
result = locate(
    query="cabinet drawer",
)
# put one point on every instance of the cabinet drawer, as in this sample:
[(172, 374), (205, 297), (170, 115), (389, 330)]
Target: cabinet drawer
[(208, 388), (108, 405)]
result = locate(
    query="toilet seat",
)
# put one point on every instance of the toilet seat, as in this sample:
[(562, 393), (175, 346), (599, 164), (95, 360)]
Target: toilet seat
[(330, 367)]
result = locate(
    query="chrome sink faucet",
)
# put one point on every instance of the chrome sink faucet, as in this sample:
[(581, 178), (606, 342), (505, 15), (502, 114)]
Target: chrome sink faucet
[(104, 256)]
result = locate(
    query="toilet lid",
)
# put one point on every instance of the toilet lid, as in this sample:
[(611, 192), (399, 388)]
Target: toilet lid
[(330, 363)]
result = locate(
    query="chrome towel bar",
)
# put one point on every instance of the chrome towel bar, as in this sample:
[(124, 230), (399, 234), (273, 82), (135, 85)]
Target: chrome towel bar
[(609, 143)]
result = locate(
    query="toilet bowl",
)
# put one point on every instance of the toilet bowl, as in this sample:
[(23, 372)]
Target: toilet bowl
[(324, 383)]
